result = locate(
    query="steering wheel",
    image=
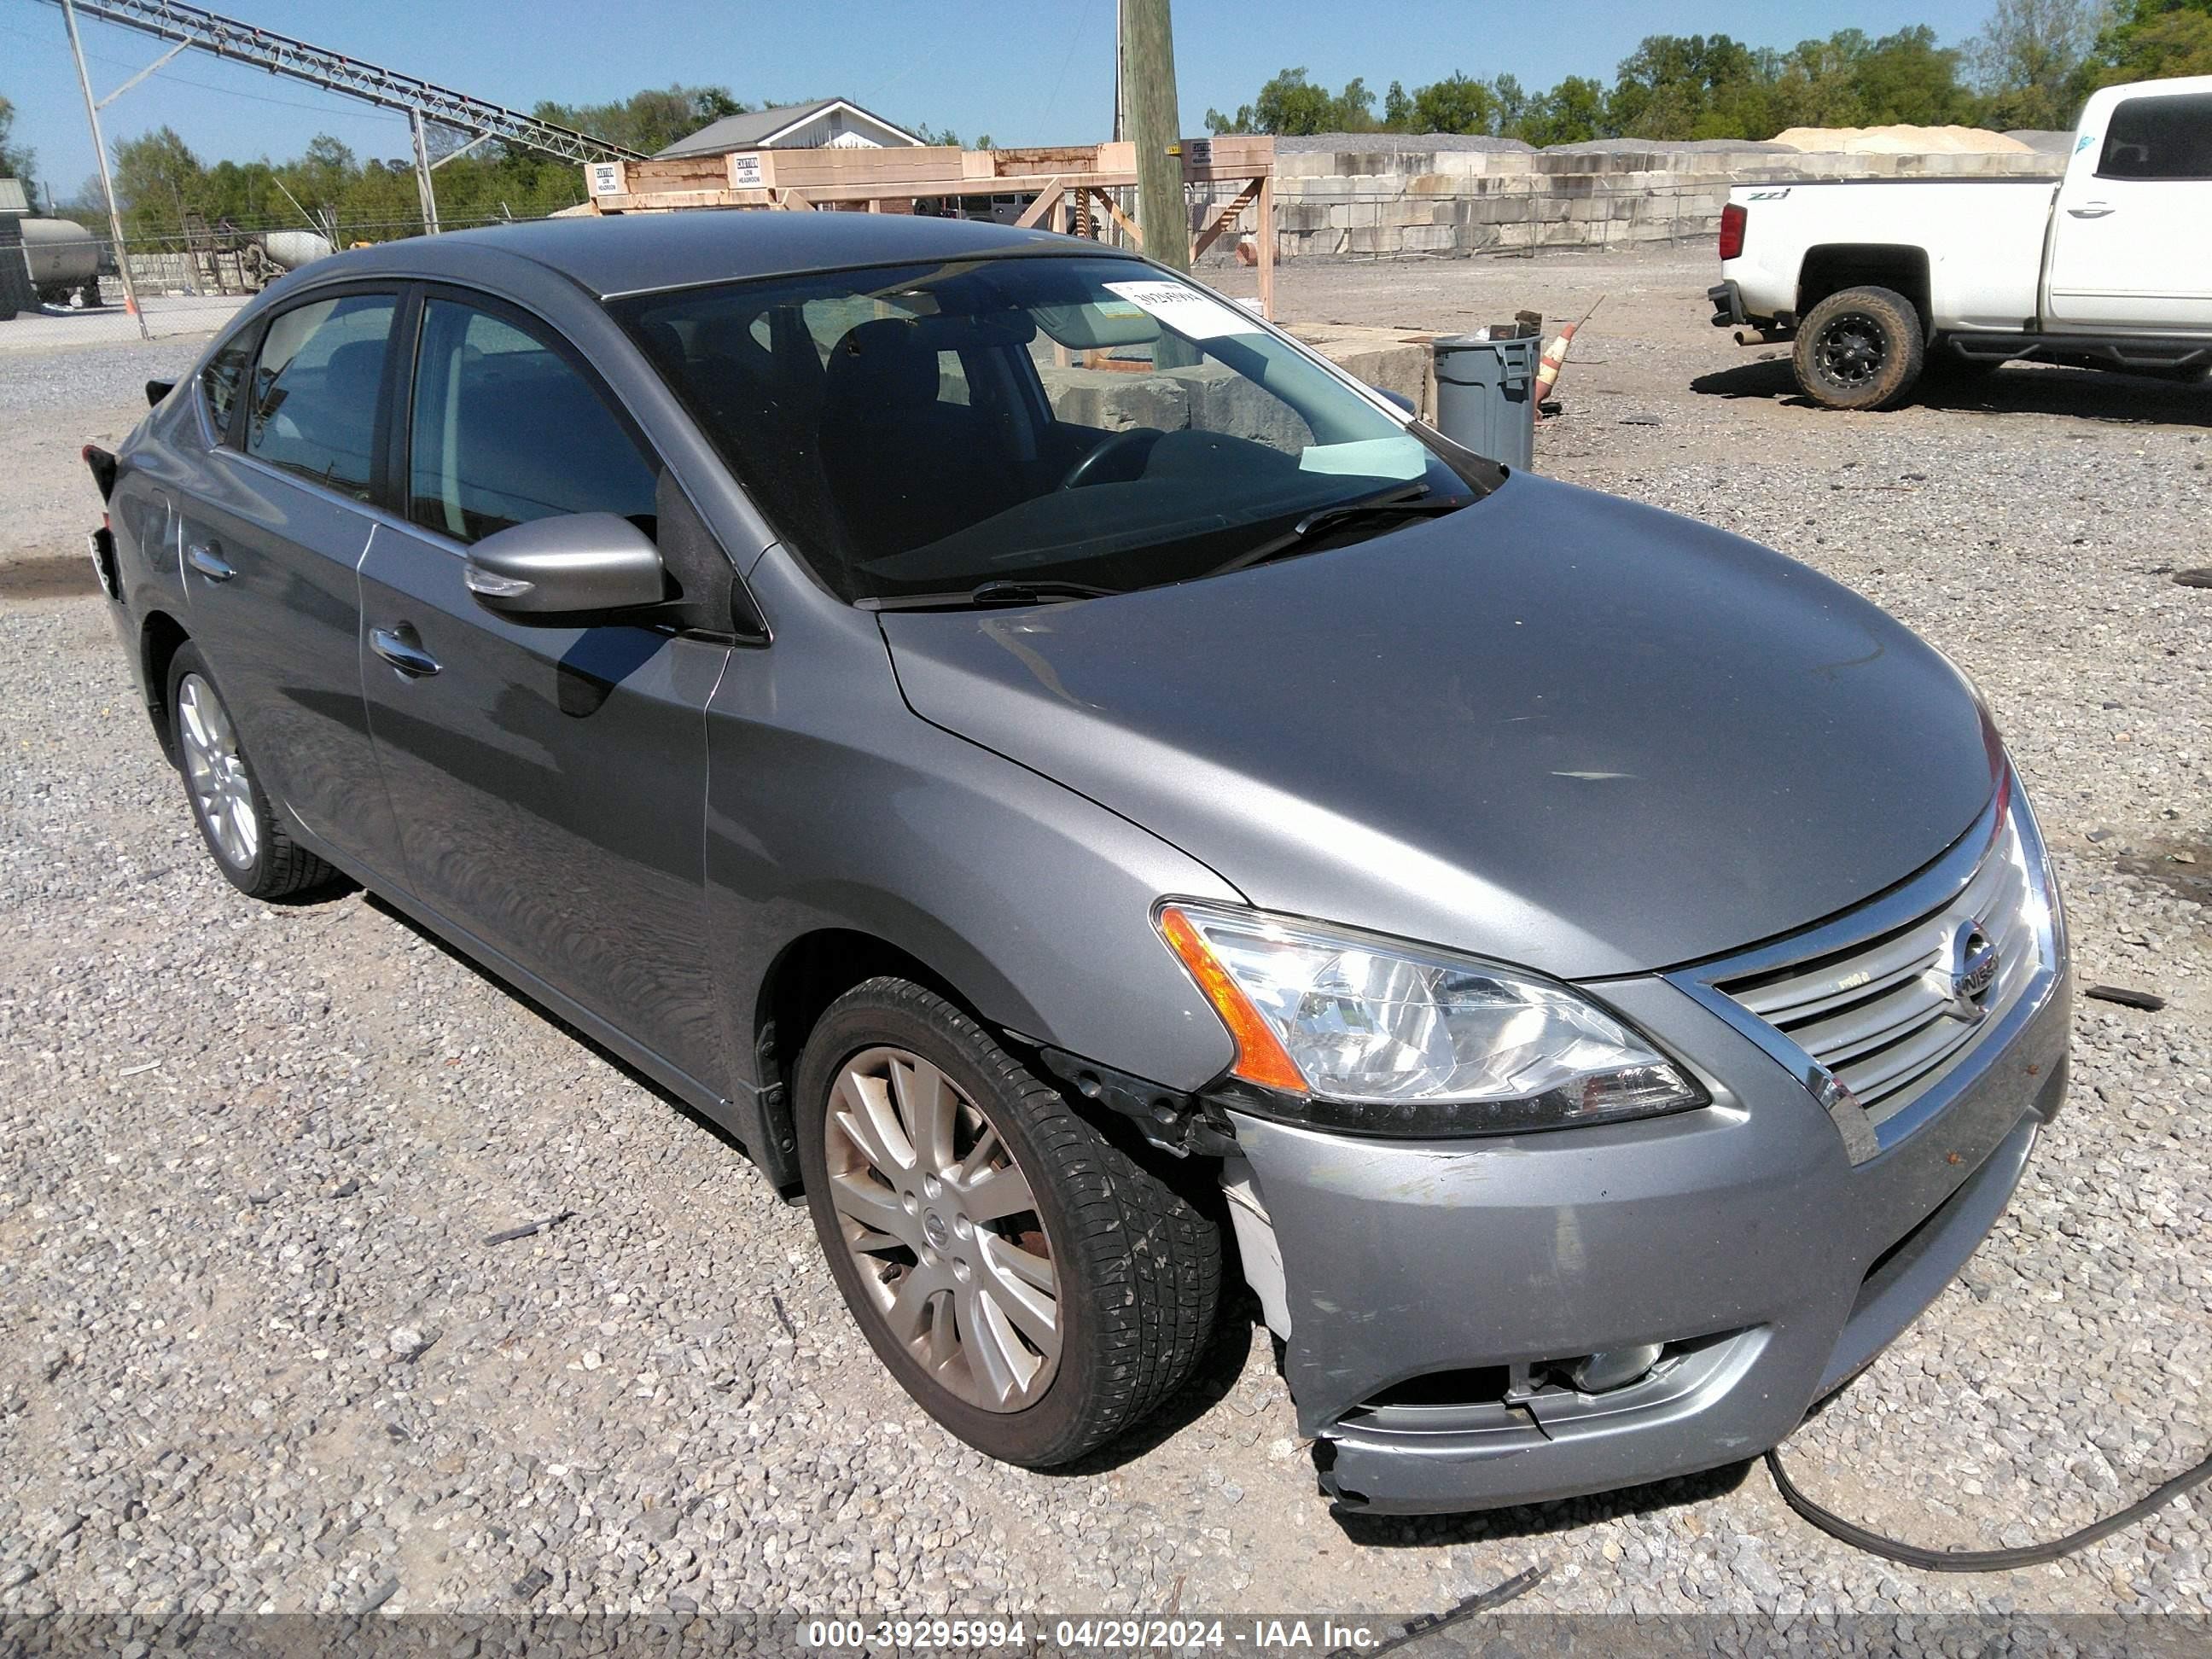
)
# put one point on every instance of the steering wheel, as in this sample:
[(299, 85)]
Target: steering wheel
[(1094, 459)]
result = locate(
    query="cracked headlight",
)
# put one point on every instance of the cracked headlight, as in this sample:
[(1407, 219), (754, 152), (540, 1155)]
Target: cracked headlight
[(1376, 1036)]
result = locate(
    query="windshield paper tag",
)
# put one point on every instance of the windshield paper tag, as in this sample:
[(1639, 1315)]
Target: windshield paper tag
[(1368, 458), (1187, 312)]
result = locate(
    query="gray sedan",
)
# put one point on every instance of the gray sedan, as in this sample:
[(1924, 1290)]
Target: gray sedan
[(1112, 809)]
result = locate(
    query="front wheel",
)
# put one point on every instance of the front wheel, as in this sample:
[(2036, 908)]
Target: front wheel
[(1032, 1287), (1861, 348)]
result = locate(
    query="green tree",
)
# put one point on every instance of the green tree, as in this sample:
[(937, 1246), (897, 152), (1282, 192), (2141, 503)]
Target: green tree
[(2029, 57), (1513, 101), (17, 161), (158, 182), (1458, 103), (1290, 105), (650, 120), (1692, 86), (1572, 112), (2151, 40), (1907, 76)]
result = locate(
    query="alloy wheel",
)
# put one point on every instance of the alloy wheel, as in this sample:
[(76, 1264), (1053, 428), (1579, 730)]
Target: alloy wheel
[(222, 792), (1851, 351), (944, 1228)]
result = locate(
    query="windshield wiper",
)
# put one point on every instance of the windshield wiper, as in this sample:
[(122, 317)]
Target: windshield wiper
[(1398, 501), (1006, 591)]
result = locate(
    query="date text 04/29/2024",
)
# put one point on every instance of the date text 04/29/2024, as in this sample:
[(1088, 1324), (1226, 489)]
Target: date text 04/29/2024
[(1254, 1635)]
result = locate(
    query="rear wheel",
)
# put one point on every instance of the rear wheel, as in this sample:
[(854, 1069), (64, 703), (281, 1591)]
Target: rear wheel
[(1031, 1286), (1860, 348), (242, 832)]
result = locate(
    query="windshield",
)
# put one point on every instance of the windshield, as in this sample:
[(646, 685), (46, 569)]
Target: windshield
[(917, 432)]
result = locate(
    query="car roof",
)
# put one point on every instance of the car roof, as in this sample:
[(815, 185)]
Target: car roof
[(640, 253)]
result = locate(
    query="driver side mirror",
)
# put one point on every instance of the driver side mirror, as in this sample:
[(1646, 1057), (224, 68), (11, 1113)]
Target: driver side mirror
[(565, 569), (1398, 398)]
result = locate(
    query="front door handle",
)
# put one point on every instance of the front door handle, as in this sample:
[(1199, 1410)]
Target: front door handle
[(2091, 209), (207, 559), (399, 647)]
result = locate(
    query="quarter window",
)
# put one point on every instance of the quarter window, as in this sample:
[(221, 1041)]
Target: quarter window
[(221, 378), (313, 400), (506, 429), (2159, 138)]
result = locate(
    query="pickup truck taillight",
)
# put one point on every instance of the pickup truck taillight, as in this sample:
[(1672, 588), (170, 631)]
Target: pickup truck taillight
[(1733, 217)]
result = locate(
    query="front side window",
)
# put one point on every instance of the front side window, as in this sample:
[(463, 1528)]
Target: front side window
[(506, 429), (920, 431), (2159, 138), (312, 408)]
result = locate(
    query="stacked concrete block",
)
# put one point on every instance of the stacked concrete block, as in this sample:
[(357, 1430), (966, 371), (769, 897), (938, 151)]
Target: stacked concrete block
[(1217, 399), (1115, 401), (1380, 203)]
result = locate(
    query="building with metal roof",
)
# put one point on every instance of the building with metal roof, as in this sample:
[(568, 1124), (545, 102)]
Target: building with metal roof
[(826, 122)]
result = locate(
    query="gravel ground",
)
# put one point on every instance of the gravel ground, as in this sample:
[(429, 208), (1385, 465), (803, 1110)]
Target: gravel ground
[(257, 1353)]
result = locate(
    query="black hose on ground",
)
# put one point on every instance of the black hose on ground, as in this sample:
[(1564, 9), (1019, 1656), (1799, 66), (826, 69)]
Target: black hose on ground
[(2028, 1555)]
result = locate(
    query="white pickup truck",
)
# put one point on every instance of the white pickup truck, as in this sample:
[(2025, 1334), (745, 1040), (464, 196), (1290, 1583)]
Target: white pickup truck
[(2109, 264)]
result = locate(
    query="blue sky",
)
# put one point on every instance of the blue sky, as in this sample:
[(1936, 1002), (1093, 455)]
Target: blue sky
[(1025, 71)]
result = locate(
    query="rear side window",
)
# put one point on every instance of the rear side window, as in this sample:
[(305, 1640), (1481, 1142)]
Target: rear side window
[(221, 378), (506, 429), (2160, 138), (313, 399)]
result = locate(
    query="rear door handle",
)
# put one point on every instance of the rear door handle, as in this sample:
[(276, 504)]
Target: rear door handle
[(207, 559), (2091, 209), (399, 647)]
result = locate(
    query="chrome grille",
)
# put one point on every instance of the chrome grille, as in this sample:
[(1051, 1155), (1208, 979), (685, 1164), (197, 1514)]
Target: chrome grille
[(1881, 1012)]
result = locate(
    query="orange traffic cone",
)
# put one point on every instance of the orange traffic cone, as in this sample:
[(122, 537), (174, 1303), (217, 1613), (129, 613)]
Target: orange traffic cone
[(1555, 354)]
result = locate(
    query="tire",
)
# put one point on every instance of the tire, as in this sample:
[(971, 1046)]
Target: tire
[(243, 834), (1861, 348), (1135, 1272)]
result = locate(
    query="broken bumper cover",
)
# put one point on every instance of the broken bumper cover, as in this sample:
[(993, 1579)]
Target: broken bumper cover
[(1739, 1238), (1728, 305)]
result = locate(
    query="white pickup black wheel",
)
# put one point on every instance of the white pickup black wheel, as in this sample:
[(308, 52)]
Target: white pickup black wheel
[(1863, 347), (243, 834), (1029, 1284)]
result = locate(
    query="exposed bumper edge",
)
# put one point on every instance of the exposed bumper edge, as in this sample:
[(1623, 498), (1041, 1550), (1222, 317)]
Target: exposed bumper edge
[(1741, 1237), (1728, 305), (1900, 1287)]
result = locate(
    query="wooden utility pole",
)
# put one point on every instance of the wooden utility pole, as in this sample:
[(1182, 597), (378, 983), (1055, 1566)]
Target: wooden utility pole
[(1148, 95)]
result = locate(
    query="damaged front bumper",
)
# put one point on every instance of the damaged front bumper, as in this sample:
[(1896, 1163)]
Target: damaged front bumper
[(1439, 1296)]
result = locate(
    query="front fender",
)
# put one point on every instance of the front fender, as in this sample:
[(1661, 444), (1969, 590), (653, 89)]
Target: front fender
[(830, 804)]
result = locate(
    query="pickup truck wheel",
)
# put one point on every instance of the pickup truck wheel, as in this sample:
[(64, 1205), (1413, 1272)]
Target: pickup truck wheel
[(235, 819), (1861, 348), (1029, 1285)]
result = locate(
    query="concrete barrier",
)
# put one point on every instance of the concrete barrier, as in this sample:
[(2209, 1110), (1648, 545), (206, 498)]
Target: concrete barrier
[(1211, 397), (1395, 202)]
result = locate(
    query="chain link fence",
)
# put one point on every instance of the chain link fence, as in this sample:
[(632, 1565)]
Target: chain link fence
[(188, 284)]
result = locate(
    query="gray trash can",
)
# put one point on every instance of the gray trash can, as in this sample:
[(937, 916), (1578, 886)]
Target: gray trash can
[(1487, 395)]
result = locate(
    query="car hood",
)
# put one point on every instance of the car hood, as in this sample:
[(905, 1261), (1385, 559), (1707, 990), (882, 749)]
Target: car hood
[(1555, 728)]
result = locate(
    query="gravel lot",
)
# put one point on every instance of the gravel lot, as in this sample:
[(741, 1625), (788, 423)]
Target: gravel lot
[(256, 1353)]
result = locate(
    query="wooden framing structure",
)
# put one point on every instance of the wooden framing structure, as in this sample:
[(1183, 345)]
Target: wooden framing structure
[(1068, 185)]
